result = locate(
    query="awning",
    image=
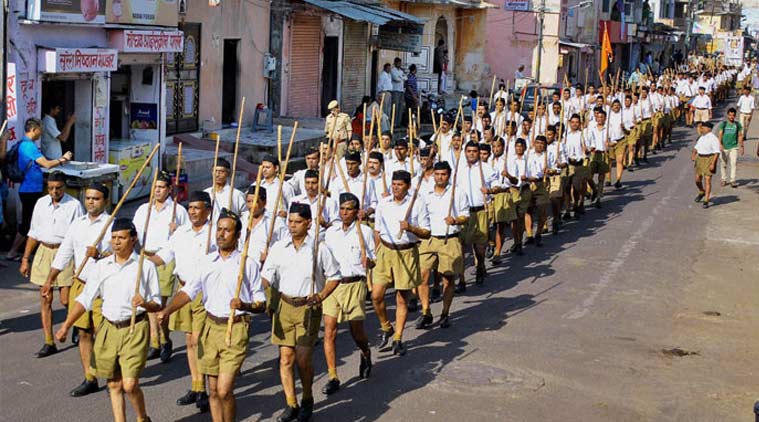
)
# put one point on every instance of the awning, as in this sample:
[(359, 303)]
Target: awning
[(377, 15), (584, 48), (473, 4)]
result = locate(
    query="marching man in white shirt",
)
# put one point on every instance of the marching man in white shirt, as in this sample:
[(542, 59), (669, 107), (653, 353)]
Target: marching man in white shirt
[(164, 220), (577, 150), (705, 155), (746, 108), (617, 144), (702, 106), (597, 140), (216, 279), (119, 354), (185, 249), (219, 191), (52, 216), (346, 303)]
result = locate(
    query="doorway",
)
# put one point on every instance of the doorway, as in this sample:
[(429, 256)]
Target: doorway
[(329, 73), (61, 92), (375, 72), (229, 82)]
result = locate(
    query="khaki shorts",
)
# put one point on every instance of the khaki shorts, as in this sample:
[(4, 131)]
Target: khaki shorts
[(632, 137), (346, 303), (701, 115), (446, 257), (703, 166), (190, 317), (505, 211), (646, 129), (214, 357), (617, 149), (475, 231), (291, 327), (43, 258), (118, 354), (400, 268), (598, 163), (539, 195), (89, 320), (522, 199), (579, 172), (556, 186), (166, 278), (658, 119)]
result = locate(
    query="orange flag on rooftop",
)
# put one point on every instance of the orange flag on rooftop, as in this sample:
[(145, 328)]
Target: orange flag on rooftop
[(607, 53)]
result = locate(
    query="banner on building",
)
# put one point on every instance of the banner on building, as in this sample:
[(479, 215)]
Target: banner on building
[(142, 12), (69, 11), (131, 41), (516, 5), (401, 37), (100, 118), (733, 51), (11, 104), (77, 60)]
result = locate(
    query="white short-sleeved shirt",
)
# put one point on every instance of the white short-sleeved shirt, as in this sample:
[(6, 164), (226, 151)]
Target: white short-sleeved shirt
[(574, 144), (746, 104), (289, 269), (438, 205), (260, 233), (708, 144), (160, 220), (50, 145), (51, 221), (470, 182), (345, 245), (389, 214), (330, 210), (702, 102), (222, 200), (217, 280), (82, 233), (517, 167), (187, 248), (115, 284)]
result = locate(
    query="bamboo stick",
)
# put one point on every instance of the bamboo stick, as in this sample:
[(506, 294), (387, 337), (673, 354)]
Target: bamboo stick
[(234, 159), (141, 261)]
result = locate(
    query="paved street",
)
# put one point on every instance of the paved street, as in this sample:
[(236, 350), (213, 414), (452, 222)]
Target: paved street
[(580, 330)]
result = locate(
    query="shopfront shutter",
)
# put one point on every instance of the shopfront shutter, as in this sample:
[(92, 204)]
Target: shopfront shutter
[(355, 48), (303, 96)]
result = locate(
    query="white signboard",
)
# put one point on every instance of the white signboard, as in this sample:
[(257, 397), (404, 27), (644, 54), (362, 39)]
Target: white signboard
[(733, 51), (151, 42), (12, 103), (77, 60), (516, 5)]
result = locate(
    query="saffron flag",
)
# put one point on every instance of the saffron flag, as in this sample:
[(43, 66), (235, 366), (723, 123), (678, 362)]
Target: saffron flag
[(607, 53)]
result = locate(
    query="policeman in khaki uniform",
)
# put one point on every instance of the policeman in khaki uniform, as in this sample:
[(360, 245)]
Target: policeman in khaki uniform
[(442, 252), (398, 255), (163, 222), (186, 247), (120, 354), (53, 214), (297, 293), (77, 244), (346, 303), (216, 278), (338, 126)]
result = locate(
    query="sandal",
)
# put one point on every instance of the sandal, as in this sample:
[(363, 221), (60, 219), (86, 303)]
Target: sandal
[(734, 184), (724, 183)]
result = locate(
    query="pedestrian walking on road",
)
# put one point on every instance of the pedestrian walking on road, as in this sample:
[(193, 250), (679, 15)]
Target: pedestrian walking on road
[(705, 155), (731, 139), (746, 108)]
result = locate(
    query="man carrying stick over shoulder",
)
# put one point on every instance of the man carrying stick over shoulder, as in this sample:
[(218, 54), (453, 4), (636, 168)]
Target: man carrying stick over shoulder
[(120, 351), (222, 186), (216, 278)]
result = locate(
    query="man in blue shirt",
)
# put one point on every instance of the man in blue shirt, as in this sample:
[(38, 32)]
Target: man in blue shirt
[(31, 161)]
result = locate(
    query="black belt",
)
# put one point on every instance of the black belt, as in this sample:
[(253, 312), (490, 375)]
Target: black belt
[(646, 119), (706, 155), (293, 301), (352, 279), (223, 320), (127, 322), (476, 209), (701, 108), (443, 237), (398, 247), (50, 245)]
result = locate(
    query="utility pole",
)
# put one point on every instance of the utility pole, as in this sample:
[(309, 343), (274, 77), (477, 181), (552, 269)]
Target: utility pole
[(541, 18), (689, 30)]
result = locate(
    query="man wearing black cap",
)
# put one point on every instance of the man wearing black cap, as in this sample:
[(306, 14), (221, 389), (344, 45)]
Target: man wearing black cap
[(221, 187), (52, 215), (259, 232), (215, 279), (297, 184), (163, 222), (354, 178), (312, 198), (377, 176), (705, 154), (270, 180), (119, 351), (443, 138), (186, 248), (401, 160), (346, 303), (77, 244), (399, 232), (426, 165), (302, 274), (442, 252)]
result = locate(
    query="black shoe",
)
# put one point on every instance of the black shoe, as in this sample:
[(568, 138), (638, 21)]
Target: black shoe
[(567, 215), (608, 183), (496, 260), (154, 353), (202, 402), (618, 185), (598, 203), (167, 349), (593, 196), (529, 241), (480, 276), (365, 367), (46, 350), (460, 288), (306, 410), (445, 322), (385, 337), (75, 336), (423, 321), (331, 387), (435, 296), (700, 197), (86, 387), (189, 398), (398, 348), (631, 170), (706, 204), (519, 251), (413, 305), (555, 228), (580, 210), (539, 241), (290, 414), (489, 251)]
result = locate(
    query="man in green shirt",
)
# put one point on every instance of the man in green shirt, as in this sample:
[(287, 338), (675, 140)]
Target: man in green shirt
[(731, 138)]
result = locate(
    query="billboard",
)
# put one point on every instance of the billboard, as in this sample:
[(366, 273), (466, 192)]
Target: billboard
[(142, 12), (68, 11)]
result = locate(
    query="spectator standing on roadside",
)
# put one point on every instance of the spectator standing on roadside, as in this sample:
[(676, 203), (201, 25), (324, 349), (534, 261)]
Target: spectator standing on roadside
[(398, 77), (731, 138), (411, 94), (52, 138), (385, 88)]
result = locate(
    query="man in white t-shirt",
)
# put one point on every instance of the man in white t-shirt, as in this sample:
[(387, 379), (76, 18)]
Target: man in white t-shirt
[(52, 138), (705, 154), (746, 108)]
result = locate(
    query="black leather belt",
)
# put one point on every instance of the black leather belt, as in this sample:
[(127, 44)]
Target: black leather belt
[(476, 209), (51, 245), (125, 323), (223, 320), (293, 301), (398, 247), (443, 237), (352, 279), (706, 155)]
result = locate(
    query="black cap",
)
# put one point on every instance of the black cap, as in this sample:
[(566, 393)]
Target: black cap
[(222, 162), (348, 197), (485, 147), (311, 174), (424, 152), (303, 210), (56, 176), (402, 142), (353, 156), (270, 158), (312, 150), (448, 119), (376, 155), (124, 224), (199, 196), (164, 177), (100, 188), (472, 144), (442, 165), (261, 191), (710, 125), (402, 175)]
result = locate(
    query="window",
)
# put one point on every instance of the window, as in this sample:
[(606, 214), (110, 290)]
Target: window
[(605, 6)]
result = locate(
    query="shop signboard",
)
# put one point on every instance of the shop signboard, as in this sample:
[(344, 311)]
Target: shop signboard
[(142, 12), (11, 103), (733, 51), (407, 37), (135, 41), (100, 119), (68, 11), (143, 116), (516, 5), (77, 60)]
